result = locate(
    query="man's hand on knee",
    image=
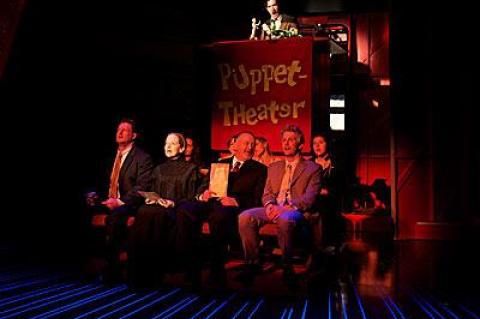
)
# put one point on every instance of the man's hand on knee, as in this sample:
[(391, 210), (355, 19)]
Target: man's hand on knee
[(113, 203)]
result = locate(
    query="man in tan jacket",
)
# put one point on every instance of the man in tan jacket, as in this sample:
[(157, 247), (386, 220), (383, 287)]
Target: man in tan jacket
[(290, 190)]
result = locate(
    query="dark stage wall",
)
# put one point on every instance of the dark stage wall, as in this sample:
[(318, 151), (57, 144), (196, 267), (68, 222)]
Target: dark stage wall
[(76, 67)]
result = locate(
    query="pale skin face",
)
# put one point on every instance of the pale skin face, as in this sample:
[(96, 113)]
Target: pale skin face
[(244, 145), (172, 146), (272, 8), (319, 145), (125, 134), (290, 144)]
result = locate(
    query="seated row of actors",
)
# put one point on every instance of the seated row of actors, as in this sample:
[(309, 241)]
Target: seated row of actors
[(166, 232)]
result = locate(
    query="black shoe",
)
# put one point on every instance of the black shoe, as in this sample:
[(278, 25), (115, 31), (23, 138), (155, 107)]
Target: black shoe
[(289, 277), (218, 277), (247, 275), (111, 277), (194, 276)]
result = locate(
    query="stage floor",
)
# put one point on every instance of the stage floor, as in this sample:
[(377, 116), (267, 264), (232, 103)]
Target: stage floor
[(369, 278)]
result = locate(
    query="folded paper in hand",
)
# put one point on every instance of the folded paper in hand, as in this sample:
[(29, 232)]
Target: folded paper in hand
[(151, 196), (219, 179)]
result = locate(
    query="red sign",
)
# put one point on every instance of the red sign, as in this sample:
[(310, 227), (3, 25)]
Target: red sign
[(261, 86)]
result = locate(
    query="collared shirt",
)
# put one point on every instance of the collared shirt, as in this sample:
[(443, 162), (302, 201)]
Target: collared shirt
[(274, 25), (235, 160), (124, 155), (284, 195)]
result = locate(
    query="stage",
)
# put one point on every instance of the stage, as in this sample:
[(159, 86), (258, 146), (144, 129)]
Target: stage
[(408, 279)]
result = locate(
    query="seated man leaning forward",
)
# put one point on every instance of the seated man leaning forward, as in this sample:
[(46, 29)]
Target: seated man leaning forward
[(290, 190)]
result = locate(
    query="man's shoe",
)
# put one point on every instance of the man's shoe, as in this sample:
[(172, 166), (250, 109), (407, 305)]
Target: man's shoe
[(247, 275), (289, 277), (218, 277), (194, 276)]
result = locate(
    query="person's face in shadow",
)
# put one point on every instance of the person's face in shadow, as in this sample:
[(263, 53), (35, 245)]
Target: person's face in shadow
[(189, 146), (319, 145)]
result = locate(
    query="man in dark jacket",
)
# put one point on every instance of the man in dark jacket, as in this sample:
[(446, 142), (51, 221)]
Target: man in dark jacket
[(131, 172), (245, 188)]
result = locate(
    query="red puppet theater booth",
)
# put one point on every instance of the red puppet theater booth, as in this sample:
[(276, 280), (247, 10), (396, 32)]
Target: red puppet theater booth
[(261, 86)]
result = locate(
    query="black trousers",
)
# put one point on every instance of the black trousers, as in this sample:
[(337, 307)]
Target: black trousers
[(117, 232), (223, 223), (150, 246)]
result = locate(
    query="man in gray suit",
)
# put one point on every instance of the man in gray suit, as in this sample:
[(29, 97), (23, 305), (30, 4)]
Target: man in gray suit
[(290, 190)]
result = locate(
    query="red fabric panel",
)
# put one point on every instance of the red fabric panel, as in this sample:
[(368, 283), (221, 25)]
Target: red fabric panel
[(261, 86)]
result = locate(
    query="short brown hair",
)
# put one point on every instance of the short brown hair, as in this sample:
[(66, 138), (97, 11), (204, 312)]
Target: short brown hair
[(129, 121), (295, 129)]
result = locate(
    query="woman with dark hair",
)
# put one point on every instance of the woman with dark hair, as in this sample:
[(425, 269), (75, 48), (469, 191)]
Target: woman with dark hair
[(230, 146), (328, 199), (192, 155)]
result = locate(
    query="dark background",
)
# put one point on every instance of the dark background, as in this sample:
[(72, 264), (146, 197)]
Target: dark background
[(77, 67)]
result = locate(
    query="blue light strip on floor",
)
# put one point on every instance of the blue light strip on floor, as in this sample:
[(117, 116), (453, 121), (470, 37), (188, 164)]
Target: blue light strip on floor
[(423, 307), (432, 308), (50, 302), (394, 305), (284, 313), (16, 276), (359, 302), (223, 304), (32, 294), (465, 309), (104, 306), (255, 309), (385, 301), (23, 278), (26, 283), (157, 300), (173, 307), (240, 310), (84, 287), (329, 305), (127, 305), (203, 309), (290, 313), (344, 306), (79, 303), (192, 300), (305, 306), (444, 307)]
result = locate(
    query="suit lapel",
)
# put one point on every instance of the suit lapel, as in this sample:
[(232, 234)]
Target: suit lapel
[(278, 176), (127, 163), (298, 171)]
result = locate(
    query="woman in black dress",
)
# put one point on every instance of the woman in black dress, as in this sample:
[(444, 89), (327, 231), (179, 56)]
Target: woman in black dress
[(152, 237), (329, 197)]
